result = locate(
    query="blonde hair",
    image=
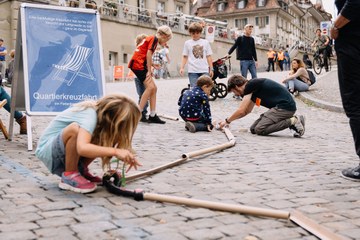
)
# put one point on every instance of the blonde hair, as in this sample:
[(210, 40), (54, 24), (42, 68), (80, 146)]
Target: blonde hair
[(12, 53), (139, 38), (164, 31), (117, 119)]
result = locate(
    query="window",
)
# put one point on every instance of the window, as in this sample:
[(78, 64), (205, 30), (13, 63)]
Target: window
[(141, 4), (240, 23), (221, 7), (261, 22), (261, 3), (179, 8), (125, 58), (160, 7), (113, 58), (241, 4)]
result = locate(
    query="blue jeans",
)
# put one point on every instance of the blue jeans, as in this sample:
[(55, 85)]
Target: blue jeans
[(140, 88), (5, 95), (246, 65), (193, 77), (297, 85)]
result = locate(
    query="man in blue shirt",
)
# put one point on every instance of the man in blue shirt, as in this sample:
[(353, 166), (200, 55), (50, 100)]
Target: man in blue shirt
[(3, 53)]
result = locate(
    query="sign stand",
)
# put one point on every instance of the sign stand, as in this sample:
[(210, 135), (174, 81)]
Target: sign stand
[(58, 61)]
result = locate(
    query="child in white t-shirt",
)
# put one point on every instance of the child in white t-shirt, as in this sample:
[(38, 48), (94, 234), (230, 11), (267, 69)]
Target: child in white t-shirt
[(197, 53)]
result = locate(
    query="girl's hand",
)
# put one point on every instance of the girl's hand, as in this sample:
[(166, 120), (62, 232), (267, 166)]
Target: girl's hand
[(127, 157), (211, 73), (284, 81), (181, 72)]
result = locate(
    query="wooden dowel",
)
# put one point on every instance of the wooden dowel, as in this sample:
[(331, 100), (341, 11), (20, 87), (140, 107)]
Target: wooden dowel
[(156, 169), (208, 150), (168, 117), (313, 227), (228, 134), (218, 206)]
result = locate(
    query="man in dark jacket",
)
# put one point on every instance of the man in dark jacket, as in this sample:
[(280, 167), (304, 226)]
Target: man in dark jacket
[(346, 32), (246, 52)]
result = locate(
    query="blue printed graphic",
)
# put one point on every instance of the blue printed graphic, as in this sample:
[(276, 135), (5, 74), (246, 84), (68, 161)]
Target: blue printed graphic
[(63, 58)]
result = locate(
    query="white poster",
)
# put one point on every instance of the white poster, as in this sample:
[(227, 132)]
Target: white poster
[(210, 33)]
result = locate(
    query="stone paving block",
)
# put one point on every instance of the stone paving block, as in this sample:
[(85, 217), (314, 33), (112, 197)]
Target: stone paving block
[(16, 235), (236, 229), (98, 226), (279, 234), (59, 232), (57, 213), (20, 210), (173, 235), (352, 233), (312, 209), (128, 233), (62, 205), (204, 234), (18, 226), (25, 217), (198, 213), (56, 221)]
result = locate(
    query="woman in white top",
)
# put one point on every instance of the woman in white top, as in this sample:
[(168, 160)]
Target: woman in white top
[(298, 79)]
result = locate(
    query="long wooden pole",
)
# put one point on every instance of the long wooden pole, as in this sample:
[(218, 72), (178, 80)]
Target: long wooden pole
[(208, 150), (156, 169), (217, 206)]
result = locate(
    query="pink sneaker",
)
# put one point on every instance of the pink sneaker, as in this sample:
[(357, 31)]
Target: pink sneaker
[(76, 183), (94, 179)]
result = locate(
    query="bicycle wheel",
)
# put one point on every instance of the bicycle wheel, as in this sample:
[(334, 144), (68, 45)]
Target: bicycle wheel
[(221, 90), (213, 94), (317, 65)]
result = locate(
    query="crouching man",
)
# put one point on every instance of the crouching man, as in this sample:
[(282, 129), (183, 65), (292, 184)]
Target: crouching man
[(269, 94)]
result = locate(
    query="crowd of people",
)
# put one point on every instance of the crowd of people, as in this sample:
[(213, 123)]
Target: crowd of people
[(105, 128)]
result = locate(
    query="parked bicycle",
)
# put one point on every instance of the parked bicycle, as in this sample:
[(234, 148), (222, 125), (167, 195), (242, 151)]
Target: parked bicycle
[(318, 62), (220, 71)]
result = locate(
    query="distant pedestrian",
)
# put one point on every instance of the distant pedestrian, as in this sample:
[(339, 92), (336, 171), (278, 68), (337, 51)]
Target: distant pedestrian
[(346, 32), (141, 64), (140, 87), (3, 53), (269, 94), (194, 107), (86, 131), (271, 57), (246, 52), (280, 58), (298, 79), (9, 73), (287, 60), (197, 55), (166, 58), (158, 62)]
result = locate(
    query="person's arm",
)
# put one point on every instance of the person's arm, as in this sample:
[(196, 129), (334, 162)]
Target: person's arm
[(340, 22), (3, 53), (211, 67), (86, 149), (244, 109), (298, 73), (149, 63), (254, 55), (183, 63), (237, 42)]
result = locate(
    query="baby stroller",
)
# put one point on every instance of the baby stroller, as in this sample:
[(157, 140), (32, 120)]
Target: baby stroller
[(220, 71)]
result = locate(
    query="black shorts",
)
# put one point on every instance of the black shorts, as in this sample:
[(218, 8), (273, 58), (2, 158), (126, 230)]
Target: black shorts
[(140, 74)]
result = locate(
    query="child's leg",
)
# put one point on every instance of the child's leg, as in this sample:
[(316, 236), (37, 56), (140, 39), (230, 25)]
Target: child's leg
[(69, 136), (149, 93)]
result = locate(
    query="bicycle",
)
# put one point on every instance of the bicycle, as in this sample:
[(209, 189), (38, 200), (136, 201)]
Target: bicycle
[(318, 62), (220, 71)]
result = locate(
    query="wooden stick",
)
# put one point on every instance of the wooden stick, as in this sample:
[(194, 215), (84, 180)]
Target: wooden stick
[(217, 206), (168, 117), (208, 150), (313, 227), (228, 134), (156, 169)]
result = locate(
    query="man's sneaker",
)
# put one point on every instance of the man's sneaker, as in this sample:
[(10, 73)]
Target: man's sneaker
[(76, 183), (155, 119), (143, 118), (190, 127), (299, 126), (351, 173)]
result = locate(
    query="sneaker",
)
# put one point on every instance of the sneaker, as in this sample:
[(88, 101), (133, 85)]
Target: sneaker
[(190, 127), (351, 173), (155, 119), (94, 179), (299, 126), (143, 118), (76, 183)]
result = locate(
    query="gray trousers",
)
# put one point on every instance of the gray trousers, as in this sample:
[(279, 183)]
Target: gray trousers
[(273, 120), (2, 69)]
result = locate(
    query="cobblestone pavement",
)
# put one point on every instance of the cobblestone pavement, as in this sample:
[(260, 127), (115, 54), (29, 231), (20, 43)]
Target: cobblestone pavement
[(275, 172)]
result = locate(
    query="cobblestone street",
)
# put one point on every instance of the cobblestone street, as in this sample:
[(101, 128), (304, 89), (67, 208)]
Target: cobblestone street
[(277, 172)]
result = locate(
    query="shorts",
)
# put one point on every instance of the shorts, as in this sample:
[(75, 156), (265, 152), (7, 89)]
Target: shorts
[(140, 74), (58, 155)]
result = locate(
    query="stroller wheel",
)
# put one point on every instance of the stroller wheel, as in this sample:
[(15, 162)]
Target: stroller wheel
[(221, 90), (213, 94)]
